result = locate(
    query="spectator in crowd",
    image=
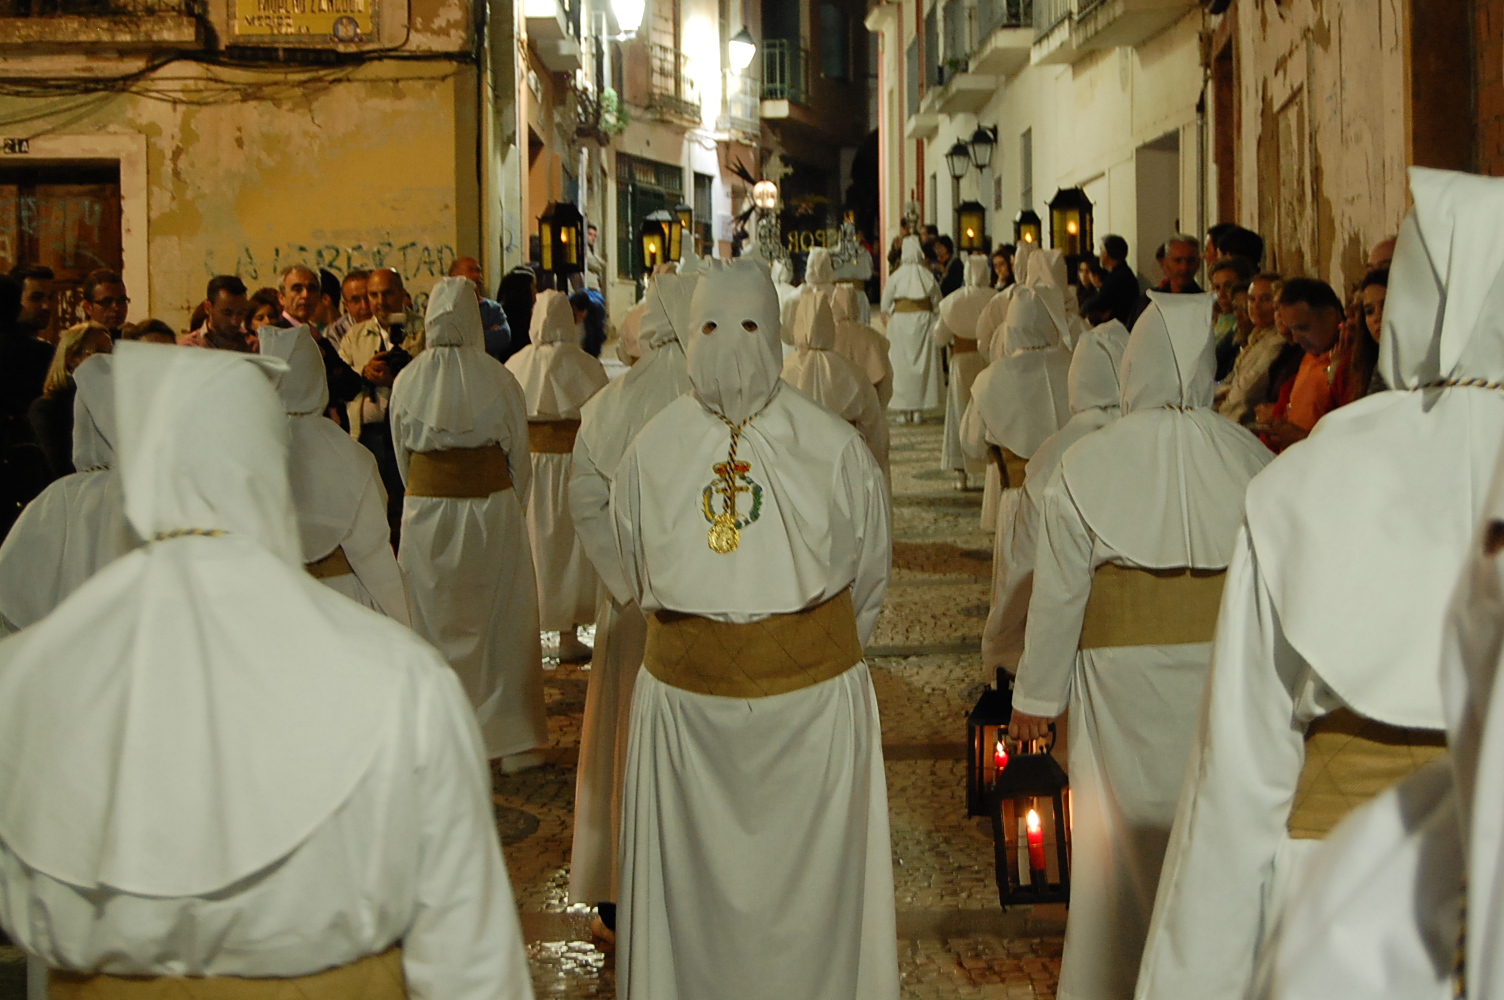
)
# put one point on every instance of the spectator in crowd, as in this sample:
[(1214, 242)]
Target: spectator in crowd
[(1119, 294), (150, 331), (226, 309), (1313, 314), (1381, 254), (516, 294), (302, 296), (1089, 280), (329, 301), (51, 414), (104, 300), (1181, 262), (493, 319), (38, 301), (24, 361), (1226, 275), (1227, 239), (1248, 384), (356, 308), (595, 264), (590, 320), (950, 272), (266, 309), (1002, 266), (1356, 368)]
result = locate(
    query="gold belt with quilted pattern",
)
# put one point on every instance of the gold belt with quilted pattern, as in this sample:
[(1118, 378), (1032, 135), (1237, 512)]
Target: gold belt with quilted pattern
[(1349, 760), (459, 473), (911, 305), (964, 345), (779, 654), (375, 977), (1130, 606), (552, 437), (334, 564)]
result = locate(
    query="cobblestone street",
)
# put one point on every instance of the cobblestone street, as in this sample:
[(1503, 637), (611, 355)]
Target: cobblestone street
[(955, 941)]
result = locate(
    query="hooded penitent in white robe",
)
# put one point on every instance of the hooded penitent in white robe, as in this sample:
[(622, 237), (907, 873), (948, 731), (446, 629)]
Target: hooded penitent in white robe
[(211, 765), (336, 488), (1017, 402), (816, 370), (468, 563), (909, 301), (76, 526), (1134, 535), (956, 329), (1331, 620), (860, 344), (789, 296), (1093, 391), (557, 377), (1045, 272), (990, 345), (608, 423), (755, 848)]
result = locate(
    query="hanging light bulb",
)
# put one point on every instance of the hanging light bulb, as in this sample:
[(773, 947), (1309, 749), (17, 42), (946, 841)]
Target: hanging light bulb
[(628, 14), (741, 49)]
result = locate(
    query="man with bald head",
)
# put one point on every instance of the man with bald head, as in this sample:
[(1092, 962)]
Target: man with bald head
[(493, 320), (377, 349)]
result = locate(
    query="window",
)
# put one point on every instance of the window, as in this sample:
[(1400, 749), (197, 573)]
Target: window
[(1026, 170), (931, 50), (65, 216), (704, 231), (835, 43), (955, 35), (932, 203), (911, 76)]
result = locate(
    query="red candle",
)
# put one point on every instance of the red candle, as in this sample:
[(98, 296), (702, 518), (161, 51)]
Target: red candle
[(1000, 755), (1036, 842)]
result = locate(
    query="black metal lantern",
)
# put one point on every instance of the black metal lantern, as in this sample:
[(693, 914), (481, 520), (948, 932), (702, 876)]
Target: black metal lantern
[(986, 731), (561, 239), (983, 142), (685, 216), (1031, 827), (655, 243), (958, 159), (1070, 222), (971, 227), (1027, 228)]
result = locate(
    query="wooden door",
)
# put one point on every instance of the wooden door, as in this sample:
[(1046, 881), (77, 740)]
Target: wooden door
[(65, 216)]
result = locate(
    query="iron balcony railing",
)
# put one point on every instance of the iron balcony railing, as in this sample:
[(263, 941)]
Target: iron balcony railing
[(994, 14), (671, 90), (1049, 13), (97, 8), (743, 103), (785, 71)]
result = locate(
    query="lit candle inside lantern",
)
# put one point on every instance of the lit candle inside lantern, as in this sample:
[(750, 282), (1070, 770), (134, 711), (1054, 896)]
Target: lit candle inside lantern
[(1000, 755), (1036, 846)]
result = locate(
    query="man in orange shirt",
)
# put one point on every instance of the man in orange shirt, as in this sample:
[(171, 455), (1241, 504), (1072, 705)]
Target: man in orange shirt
[(1312, 313)]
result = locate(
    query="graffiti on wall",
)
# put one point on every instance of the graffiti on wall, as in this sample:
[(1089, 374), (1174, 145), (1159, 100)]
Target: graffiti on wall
[(413, 260)]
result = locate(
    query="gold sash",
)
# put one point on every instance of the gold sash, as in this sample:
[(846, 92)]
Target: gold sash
[(1349, 760), (1010, 467), (552, 437), (779, 654), (964, 345), (334, 564), (375, 977), (459, 473), (911, 305), (1151, 607)]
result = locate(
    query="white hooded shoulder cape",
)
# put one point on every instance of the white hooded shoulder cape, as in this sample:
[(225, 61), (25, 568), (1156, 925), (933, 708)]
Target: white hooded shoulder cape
[(816, 370), (1022, 397), (555, 373)]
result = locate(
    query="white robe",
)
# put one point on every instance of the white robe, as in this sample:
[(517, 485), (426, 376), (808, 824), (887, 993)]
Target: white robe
[(1132, 708), (1317, 617), (468, 564), (916, 366), (557, 378), (990, 345), (959, 313), (609, 423), (816, 370), (755, 847)]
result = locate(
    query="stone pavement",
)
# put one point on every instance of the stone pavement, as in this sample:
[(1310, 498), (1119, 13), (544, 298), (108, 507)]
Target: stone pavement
[(955, 941)]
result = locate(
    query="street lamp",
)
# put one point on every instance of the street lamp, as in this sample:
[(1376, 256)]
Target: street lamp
[(561, 236), (958, 158), (654, 236), (983, 142), (1027, 228), (765, 195), (628, 14), (741, 49), (971, 227), (1070, 222)]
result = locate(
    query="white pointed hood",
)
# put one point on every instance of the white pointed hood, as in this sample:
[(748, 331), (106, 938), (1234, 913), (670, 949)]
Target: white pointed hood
[(453, 380), (303, 388), (555, 373), (195, 711), (734, 356), (961, 309), (1046, 275), (1023, 396), (819, 270), (911, 279), (1185, 466), (94, 414), (1408, 469), (1096, 368)]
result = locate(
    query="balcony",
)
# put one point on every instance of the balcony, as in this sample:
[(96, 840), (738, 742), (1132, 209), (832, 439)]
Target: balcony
[(1005, 29), (965, 91), (1052, 32), (672, 95), (922, 125), (785, 76), (1105, 24), (119, 24)]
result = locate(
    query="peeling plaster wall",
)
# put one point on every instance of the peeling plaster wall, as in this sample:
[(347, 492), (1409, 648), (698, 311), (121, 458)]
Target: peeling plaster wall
[(1322, 153)]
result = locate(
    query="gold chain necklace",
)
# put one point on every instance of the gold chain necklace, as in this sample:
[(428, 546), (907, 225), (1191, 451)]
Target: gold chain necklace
[(724, 535)]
